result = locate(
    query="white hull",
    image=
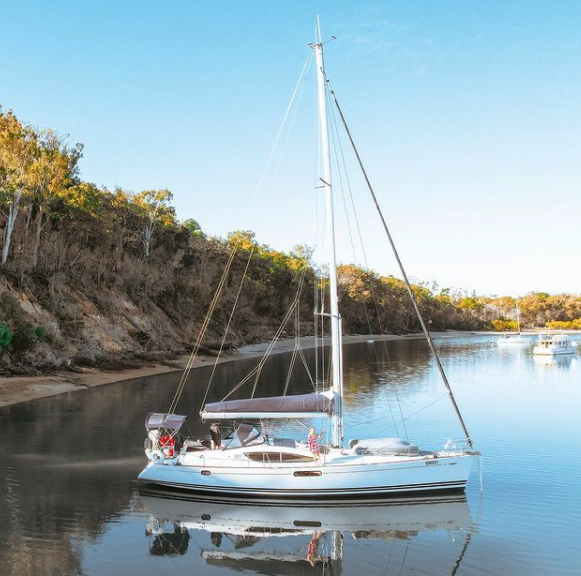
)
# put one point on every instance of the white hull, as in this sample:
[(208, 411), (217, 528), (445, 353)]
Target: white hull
[(538, 351), (363, 476)]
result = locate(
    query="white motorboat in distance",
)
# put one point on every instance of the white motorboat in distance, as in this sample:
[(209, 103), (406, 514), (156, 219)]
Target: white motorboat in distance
[(556, 345)]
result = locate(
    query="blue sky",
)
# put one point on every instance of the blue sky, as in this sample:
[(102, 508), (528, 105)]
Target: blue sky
[(467, 114)]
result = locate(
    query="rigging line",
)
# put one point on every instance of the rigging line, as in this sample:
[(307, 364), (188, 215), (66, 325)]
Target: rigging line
[(298, 351), (405, 430), (227, 327), (357, 224), (298, 347), (203, 330), (462, 553), (360, 236), (301, 78), (260, 365), (403, 272), (338, 146), (405, 556), (290, 127), (353, 424), (295, 307), (306, 365), (290, 370)]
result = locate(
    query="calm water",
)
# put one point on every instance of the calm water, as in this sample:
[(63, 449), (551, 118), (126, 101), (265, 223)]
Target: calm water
[(70, 503)]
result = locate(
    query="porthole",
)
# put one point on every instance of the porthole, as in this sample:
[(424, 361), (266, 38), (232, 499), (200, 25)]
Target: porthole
[(307, 473), (307, 524)]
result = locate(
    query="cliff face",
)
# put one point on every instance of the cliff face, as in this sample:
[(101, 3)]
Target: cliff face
[(94, 298)]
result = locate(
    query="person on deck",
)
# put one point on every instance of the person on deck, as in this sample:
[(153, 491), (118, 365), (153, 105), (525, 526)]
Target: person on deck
[(216, 434), (314, 442)]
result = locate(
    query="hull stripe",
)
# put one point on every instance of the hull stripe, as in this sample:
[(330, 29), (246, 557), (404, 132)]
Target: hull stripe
[(313, 492)]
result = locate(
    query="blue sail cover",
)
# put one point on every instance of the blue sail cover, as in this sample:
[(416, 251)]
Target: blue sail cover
[(299, 406)]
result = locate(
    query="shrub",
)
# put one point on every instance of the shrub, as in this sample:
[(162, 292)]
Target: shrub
[(39, 332), (23, 337), (5, 338)]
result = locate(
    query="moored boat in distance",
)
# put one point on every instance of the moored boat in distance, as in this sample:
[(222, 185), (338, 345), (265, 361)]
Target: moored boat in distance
[(554, 345), (518, 338), (509, 339)]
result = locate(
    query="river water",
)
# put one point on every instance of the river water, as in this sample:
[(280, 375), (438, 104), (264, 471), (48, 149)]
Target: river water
[(70, 503)]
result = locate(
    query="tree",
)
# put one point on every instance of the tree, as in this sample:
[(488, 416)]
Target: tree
[(51, 175), (193, 227), (17, 153), (244, 240), (154, 206)]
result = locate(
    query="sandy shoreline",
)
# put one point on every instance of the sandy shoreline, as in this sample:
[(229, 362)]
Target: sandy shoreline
[(22, 389)]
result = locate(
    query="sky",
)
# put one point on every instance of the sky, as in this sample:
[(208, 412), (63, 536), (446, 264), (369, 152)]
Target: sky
[(467, 116)]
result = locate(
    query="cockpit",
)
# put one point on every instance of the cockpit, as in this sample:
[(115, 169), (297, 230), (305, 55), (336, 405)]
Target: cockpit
[(243, 435)]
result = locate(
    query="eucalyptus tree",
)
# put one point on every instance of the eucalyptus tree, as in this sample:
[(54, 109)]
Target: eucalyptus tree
[(154, 206), (18, 149), (53, 173)]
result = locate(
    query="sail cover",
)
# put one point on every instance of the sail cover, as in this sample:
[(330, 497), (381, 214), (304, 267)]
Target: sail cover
[(299, 406), (156, 420)]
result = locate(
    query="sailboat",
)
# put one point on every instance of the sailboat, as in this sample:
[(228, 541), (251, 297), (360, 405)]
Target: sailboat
[(518, 338), (252, 464)]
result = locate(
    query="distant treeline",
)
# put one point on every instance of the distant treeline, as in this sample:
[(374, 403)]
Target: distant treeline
[(96, 276)]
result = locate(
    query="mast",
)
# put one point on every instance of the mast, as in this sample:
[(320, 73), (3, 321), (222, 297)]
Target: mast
[(336, 338), (517, 317)]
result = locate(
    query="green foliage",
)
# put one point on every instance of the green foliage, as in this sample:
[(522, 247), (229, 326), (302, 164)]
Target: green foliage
[(244, 240), (5, 338), (39, 332), (567, 325), (193, 228), (23, 337), (155, 206), (505, 325)]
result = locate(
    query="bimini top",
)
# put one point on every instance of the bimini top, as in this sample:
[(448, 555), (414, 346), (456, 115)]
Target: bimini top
[(169, 421), (298, 406)]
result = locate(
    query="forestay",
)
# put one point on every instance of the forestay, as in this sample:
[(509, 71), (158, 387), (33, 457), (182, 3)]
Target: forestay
[(283, 407)]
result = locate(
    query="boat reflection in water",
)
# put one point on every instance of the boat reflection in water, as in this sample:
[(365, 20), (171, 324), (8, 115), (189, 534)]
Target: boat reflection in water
[(563, 361), (291, 537)]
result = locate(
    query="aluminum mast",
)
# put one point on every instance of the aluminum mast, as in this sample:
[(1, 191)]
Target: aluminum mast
[(336, 338)]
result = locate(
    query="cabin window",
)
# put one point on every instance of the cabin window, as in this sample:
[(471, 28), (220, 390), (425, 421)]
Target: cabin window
[(272, 457), (286, 457), (266, 457)]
